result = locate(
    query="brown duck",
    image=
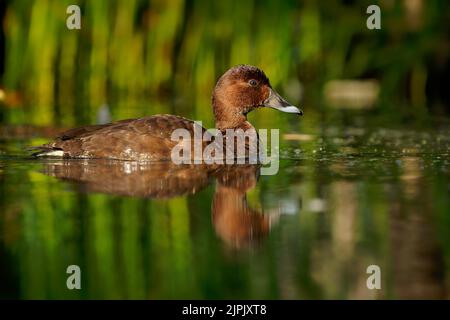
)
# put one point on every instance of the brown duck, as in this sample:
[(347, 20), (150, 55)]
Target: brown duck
[(240, 90)]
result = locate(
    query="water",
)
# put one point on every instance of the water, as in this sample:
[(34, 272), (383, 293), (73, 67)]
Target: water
[(345, 197)]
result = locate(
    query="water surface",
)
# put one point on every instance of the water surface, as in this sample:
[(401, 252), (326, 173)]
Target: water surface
[(345, 197)]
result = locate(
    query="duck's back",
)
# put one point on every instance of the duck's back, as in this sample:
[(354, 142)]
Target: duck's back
[(147, 138)]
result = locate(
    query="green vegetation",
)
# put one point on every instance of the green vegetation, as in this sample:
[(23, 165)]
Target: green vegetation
[(144, 57)]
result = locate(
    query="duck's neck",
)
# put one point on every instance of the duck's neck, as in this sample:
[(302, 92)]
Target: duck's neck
[(229, 117)]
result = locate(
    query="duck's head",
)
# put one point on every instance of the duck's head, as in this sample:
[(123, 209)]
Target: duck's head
[(242, 89)]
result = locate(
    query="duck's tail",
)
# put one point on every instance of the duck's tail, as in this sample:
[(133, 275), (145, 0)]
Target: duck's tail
[(46, 151)]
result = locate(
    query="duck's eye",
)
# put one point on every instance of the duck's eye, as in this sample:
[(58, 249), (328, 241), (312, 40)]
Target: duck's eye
[(253, 82)]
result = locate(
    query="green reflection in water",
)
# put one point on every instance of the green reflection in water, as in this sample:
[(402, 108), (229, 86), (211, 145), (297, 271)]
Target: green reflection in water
[(348, 199)]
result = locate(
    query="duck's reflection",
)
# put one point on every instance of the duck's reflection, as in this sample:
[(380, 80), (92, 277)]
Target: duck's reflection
[(128, 178), (234, 221), (237, 224)]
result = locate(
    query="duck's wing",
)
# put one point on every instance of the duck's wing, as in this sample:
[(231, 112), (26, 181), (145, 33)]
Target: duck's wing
[(80, 131), (147, 138)]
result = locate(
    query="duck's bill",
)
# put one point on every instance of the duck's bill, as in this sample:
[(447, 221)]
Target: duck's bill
[(275, 101)]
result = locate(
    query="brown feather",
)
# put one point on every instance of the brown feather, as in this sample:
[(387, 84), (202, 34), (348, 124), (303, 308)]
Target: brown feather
[(147, 138)]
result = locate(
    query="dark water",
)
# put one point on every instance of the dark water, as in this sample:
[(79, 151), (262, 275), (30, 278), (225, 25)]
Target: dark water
[(343, 199)]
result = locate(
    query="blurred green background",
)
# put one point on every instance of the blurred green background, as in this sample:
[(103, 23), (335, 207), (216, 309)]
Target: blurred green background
[(144, 57), (364, 175)]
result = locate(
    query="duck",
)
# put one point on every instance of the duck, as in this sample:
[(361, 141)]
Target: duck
[(240, 90)]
